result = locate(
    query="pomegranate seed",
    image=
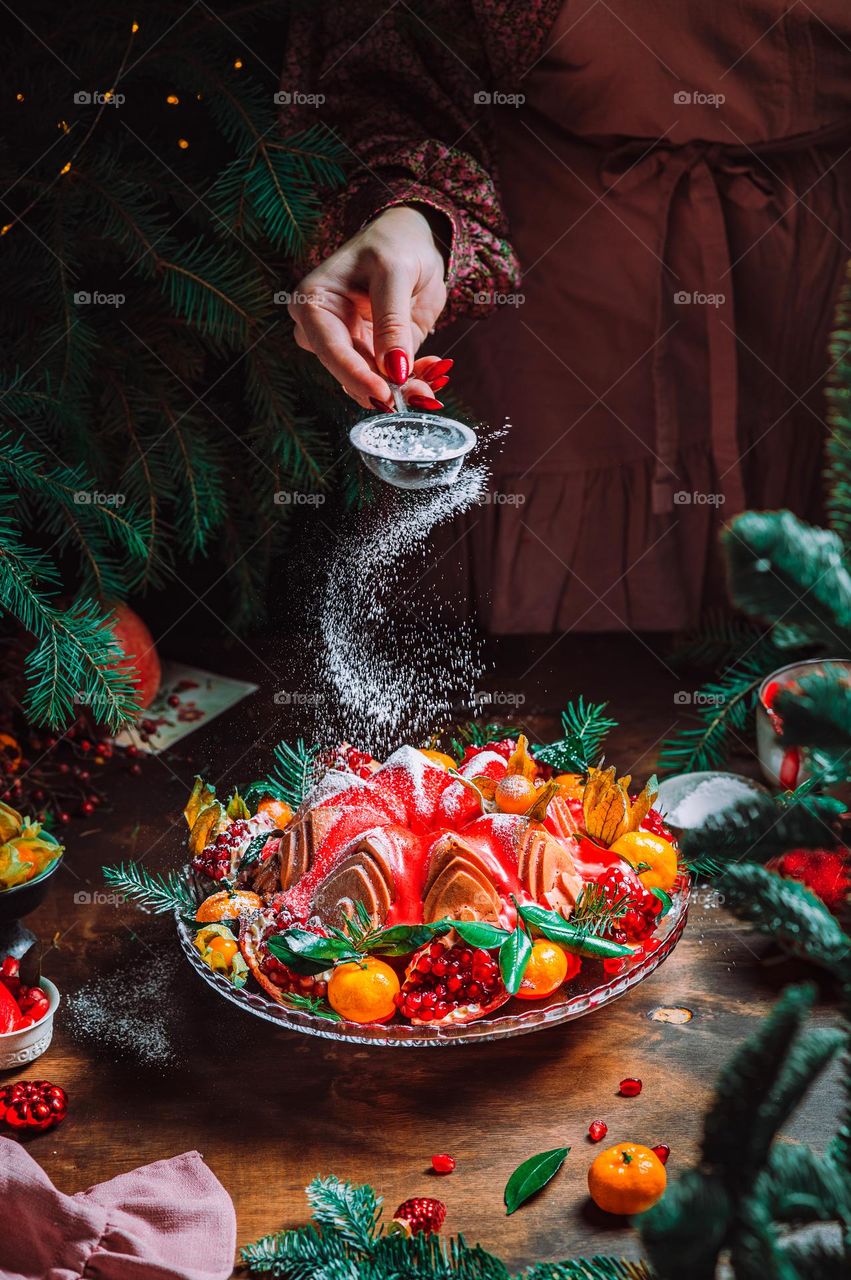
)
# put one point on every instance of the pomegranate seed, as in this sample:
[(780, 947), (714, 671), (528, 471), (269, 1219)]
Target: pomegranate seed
[(630, 1087), (597, 1130), (445, 1163), (662, 1151)]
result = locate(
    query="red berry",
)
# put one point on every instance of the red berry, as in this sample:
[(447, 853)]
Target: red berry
[(85, 745), (662, 1151), (87, 808), (421, 1213), (33, 1105), (597, 1130), (630, 1087), (63, 817), (442, 1163), (136, 769), (173, 700)]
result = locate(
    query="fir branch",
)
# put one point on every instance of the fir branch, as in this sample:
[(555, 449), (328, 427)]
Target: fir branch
[(584, 729), (353, 1213), (596, 1268), (817, 712), (837, 473), (780, 568), (154, 892), (594, 914), (788, 912), (758, 828), (724, 708), (293, 772)]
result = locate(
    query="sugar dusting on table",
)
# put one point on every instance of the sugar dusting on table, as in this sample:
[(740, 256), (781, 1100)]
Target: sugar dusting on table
[(125, 1011), (391, 666)]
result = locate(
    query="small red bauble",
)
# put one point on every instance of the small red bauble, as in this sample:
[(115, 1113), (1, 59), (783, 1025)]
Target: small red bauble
[(421, 1214), (630, 1088), (597, 1130), (31, 1106), (442, 1163), (662, 1151)]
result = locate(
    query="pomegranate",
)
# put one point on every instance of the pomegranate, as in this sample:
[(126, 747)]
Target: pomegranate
[(643, 910), (274, 977), (450, 982), (32, 1105), (141, 660), (420, 1213)]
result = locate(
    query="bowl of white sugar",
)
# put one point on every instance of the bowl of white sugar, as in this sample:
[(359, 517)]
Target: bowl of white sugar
[(413, 450)]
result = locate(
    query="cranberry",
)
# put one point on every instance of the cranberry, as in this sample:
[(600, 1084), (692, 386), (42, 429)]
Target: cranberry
[(597, 1130), (630, 1087), (173, 700), (662, 1151), (87, 808)]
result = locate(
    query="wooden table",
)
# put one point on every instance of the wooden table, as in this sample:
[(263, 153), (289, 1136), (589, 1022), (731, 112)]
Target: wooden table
[(269, 1110)]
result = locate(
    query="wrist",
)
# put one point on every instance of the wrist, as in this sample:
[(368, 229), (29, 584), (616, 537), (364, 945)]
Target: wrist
[(423, 222)]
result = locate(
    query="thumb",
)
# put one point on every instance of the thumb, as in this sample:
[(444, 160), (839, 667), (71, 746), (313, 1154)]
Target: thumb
[(390, 299)]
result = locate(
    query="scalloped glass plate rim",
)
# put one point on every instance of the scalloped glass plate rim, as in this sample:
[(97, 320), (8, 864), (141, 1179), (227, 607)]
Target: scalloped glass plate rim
[(562, 1008)]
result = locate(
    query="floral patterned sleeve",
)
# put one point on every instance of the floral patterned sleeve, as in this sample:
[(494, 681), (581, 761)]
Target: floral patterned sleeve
[(400, 92)]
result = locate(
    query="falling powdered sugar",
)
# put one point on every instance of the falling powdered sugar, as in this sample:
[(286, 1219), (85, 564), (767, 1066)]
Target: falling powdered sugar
[(125, 1012), (390, 670)]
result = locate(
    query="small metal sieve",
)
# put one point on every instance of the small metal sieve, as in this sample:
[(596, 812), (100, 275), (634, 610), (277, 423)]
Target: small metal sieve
[(413, 450)]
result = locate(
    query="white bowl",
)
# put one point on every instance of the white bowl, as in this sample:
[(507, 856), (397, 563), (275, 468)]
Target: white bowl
[(19, 1047)]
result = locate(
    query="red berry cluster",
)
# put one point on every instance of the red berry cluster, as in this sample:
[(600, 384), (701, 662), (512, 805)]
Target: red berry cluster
[(644, 908), (348, 757), (32, 1105), (443, 979), (215, 860)]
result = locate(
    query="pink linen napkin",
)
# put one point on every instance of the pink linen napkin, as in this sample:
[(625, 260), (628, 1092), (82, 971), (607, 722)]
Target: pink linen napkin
[(172, 1220)]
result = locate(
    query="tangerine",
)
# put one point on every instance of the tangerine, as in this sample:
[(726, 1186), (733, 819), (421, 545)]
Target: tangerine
[(515, 793), (626, 1179), (227, 905), (439, 757), (658, 855), (278, 810), (364, 991), (546, 970)]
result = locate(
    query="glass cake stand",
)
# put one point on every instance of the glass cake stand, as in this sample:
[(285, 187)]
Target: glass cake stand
[(592, 989)]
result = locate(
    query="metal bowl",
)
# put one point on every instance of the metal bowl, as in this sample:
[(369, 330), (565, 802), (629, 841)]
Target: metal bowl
[(385, 441), (21, 899)]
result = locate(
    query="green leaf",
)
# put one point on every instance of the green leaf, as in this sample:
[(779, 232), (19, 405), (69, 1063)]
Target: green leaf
[(530, 1176), (513, 957), (479, 933), (255, 847), (553, 926), (665, 898), (308, 953), (402, 939)]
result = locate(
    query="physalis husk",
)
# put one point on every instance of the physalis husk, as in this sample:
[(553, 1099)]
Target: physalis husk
[(608, 811)]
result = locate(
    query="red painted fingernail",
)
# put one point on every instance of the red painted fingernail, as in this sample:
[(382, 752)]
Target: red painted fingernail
[(424, 402), (437, 383), (396, 366), (383, 405), (438, 369)]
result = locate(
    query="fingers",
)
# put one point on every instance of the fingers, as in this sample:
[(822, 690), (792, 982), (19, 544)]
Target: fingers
[(390, 293), (320, 330)]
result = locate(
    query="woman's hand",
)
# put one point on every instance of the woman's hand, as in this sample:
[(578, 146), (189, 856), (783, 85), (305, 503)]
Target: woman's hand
[(365, 310)]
